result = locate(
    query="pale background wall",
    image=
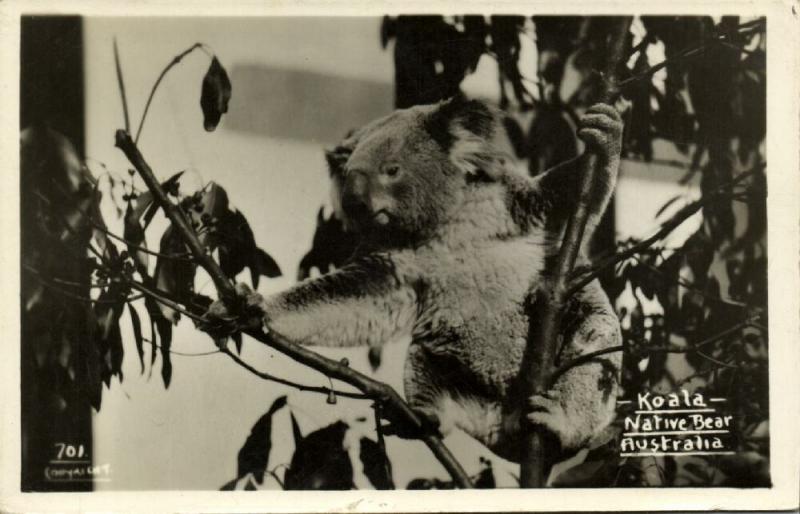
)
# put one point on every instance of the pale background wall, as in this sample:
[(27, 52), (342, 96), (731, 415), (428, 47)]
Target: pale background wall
[(298, 85)]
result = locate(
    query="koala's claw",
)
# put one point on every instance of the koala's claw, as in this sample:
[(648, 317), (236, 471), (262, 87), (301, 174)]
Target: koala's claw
[(547, 412), (601, 128), (225, 318)]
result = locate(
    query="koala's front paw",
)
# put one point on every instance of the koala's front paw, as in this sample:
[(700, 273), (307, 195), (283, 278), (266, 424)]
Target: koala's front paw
[(243, 312), (601, 129), (546, 411)]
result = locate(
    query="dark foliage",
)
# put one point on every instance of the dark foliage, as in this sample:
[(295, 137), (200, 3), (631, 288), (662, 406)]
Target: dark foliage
[(712, 289), (321, 462), (61, 217), (331, 247), (254, 454)]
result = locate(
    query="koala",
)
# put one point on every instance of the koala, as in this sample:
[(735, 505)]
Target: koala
[(454, 245)]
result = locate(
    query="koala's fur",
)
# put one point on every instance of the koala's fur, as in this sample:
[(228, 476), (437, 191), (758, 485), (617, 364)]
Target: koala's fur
[(455, 244)]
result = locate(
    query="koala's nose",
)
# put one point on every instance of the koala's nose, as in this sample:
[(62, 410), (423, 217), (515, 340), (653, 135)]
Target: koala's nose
[(355, 195)]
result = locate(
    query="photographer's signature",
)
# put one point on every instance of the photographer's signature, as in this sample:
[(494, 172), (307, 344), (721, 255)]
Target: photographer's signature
[(72, 463)]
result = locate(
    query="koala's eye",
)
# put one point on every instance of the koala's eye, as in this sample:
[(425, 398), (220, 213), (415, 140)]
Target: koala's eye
[(391, 170)]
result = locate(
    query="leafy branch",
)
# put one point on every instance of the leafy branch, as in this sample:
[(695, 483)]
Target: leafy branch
[(644, 350), (585, 276), (378, 391)]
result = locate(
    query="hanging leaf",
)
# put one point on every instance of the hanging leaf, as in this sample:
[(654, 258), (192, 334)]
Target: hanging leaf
[(321, 462), (88, 363), (331, 246), (253, 457), (505, 31), (165, 331), (551, 138), (638, 130), (237, 341), (265, 265), (137, 334), (376, 464), (516, 136), (153, 312), (237, 249), (228, 231), (108, 310), (216, 92), (134, 235), (297, 434), (174, 275), (485, 477)]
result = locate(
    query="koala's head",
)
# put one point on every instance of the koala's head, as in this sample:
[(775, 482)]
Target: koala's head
[(400, 177)]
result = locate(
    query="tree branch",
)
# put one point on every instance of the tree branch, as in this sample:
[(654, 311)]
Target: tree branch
[(671, 224), (372, 388), (121, 84), (643, 350), (283, 381), (540, 352), (686, 54), (170, 256)]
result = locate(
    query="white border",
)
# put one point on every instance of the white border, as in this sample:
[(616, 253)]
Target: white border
[(784, 286)]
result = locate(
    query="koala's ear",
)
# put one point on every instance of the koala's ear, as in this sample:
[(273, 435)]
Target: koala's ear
[(337, 158), (465, 129)]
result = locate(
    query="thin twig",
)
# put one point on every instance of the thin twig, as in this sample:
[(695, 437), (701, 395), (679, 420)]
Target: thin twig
[(667, 227), (175, 60), (182, 354), (283, 381), (78, 297), (643, 350), (61, 281), (691, 287), (715, 361), (157, 296), (185, 256), (680, 56)]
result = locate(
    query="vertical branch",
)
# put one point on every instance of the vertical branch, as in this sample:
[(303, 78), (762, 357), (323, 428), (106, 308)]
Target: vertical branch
[(539, 359)]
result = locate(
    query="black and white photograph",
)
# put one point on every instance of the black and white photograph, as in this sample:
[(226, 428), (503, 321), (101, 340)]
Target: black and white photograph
[(466, 249)]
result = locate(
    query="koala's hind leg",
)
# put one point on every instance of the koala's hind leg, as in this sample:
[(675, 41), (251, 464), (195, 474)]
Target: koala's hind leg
[(582, 401)]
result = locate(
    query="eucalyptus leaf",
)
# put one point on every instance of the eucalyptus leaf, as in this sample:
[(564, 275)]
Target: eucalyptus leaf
[(215, 95)]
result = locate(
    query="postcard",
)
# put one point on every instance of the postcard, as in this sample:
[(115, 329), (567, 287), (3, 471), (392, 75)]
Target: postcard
[(368, 257)]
